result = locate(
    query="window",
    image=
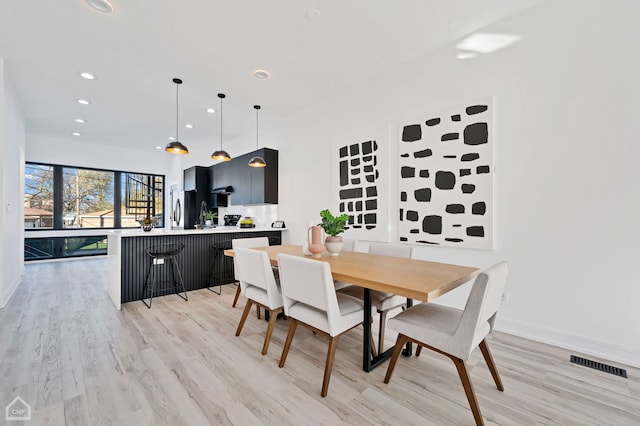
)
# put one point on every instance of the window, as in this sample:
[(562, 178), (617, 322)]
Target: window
[(87, 198), (142, 195), (62, 197), (38, 185)]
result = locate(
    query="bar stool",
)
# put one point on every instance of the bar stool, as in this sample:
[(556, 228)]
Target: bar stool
[(168, 253), (221, 267)]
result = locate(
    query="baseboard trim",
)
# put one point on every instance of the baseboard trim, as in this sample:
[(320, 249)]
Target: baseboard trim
[(585, 345), (4, 299)]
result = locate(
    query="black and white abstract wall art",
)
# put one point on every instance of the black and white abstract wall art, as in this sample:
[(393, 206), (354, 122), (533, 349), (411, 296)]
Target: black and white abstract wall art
[(446, 178), (361, 184)]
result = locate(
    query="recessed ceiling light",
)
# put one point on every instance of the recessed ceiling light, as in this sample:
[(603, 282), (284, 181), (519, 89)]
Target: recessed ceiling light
[(261, 74), (312, 15), (210, 110), (487, 42), (83, 101), (158, 147), (103, 6), (467, 55), (172, 138), (79, 120), (76, 134), (87, 75), (188, 126)]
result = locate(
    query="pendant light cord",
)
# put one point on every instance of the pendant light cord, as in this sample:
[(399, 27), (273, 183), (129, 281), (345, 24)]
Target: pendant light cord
[(257, 128), (177, 109), (221, 97)]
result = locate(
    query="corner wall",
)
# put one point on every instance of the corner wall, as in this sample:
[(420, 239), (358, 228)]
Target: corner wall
[(567, 199), (12, 146)]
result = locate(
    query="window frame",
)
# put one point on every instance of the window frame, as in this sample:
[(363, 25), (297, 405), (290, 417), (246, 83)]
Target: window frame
[(58, 214)]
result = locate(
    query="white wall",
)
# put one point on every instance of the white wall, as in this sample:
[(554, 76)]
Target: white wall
[(567, 198), (12, 143)]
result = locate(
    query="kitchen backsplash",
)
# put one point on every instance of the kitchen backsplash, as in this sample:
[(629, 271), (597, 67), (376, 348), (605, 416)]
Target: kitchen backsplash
[(262, 215)]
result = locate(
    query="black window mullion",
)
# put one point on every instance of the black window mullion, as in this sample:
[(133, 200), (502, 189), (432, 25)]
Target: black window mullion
[(57, 197), (117, 200)]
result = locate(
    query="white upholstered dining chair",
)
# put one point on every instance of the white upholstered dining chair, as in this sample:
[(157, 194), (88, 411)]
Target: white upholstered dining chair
[(456, 333), (259, 286), (383, 302), (347, 245), (246, 243), (310, 299)]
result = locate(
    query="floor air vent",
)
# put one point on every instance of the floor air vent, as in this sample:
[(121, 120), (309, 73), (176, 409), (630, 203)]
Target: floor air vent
[(599, 366)]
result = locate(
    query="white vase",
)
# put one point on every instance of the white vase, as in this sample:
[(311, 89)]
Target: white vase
[(333, 245), (208, 222)]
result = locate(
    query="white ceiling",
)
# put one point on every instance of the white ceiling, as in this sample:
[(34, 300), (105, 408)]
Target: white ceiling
[(214, 46)]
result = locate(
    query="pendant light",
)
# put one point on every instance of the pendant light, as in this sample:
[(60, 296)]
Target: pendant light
[(176, 147), (257, 161), (221, 155)]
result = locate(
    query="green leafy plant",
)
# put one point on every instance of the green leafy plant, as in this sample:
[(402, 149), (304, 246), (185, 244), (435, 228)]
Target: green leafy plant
[(331, 224), (210, 215)]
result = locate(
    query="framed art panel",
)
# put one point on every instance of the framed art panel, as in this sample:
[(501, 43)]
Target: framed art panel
[(360, 182), (446, 178)]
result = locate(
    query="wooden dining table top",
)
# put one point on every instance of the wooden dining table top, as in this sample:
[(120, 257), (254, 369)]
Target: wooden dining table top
[(415, 279)]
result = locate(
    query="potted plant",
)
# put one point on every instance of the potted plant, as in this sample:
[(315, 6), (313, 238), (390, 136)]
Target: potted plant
[(209, 215), (333, 226)]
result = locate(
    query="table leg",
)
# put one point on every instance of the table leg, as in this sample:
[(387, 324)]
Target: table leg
[(366, 347), (408, 349), (369, 363)]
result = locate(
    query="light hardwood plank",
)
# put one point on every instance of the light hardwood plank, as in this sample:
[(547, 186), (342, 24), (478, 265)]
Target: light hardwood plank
[(78, 361)]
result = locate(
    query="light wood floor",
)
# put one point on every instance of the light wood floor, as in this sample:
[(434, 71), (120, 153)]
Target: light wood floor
[(76, 360)]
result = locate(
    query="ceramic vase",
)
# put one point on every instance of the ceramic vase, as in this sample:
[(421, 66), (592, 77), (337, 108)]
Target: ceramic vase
[(147, 223), (333, 245), (315, 241)]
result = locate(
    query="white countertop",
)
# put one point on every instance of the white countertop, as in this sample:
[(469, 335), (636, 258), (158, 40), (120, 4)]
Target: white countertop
[(216, 230), (137, 232)]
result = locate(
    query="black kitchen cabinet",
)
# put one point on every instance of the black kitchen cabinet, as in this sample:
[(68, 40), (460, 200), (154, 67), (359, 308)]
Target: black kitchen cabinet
[(196, 178), (219, 176), (196, 190), (250, 185)]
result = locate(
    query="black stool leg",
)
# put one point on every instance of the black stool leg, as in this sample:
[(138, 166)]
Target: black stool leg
[(212, 274), (174, 270), (151, 271)]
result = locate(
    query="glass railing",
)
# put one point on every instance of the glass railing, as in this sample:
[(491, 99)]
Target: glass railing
[(64, 247)]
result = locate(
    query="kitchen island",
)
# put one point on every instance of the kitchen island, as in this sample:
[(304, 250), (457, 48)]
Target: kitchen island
[(202, 263)]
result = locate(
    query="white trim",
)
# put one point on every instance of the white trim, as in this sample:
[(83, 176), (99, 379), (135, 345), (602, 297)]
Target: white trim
[(4, 298), (601, 349)]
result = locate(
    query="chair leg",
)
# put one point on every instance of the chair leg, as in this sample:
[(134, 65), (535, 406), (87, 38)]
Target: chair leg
[(383, 323), (418, 350), (328, 366), (397, 350), (273, 315), (468, 389), (492, 366), (287, 342), (258, 311), (245, 314), (235, 298)]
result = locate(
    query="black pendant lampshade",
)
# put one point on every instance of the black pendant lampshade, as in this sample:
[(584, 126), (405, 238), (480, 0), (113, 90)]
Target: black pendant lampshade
[(257, 161), (176, 147), (221, 154)]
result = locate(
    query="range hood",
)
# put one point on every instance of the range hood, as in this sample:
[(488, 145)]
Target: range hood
[(222, 190)]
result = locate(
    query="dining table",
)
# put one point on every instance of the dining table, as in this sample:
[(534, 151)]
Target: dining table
[(411, 278)]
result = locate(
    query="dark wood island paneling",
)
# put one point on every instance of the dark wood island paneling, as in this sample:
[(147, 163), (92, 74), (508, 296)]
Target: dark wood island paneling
[(201, 263)]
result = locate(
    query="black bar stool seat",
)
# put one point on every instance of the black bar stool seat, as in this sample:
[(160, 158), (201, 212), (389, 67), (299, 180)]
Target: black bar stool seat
[(168, 253)]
